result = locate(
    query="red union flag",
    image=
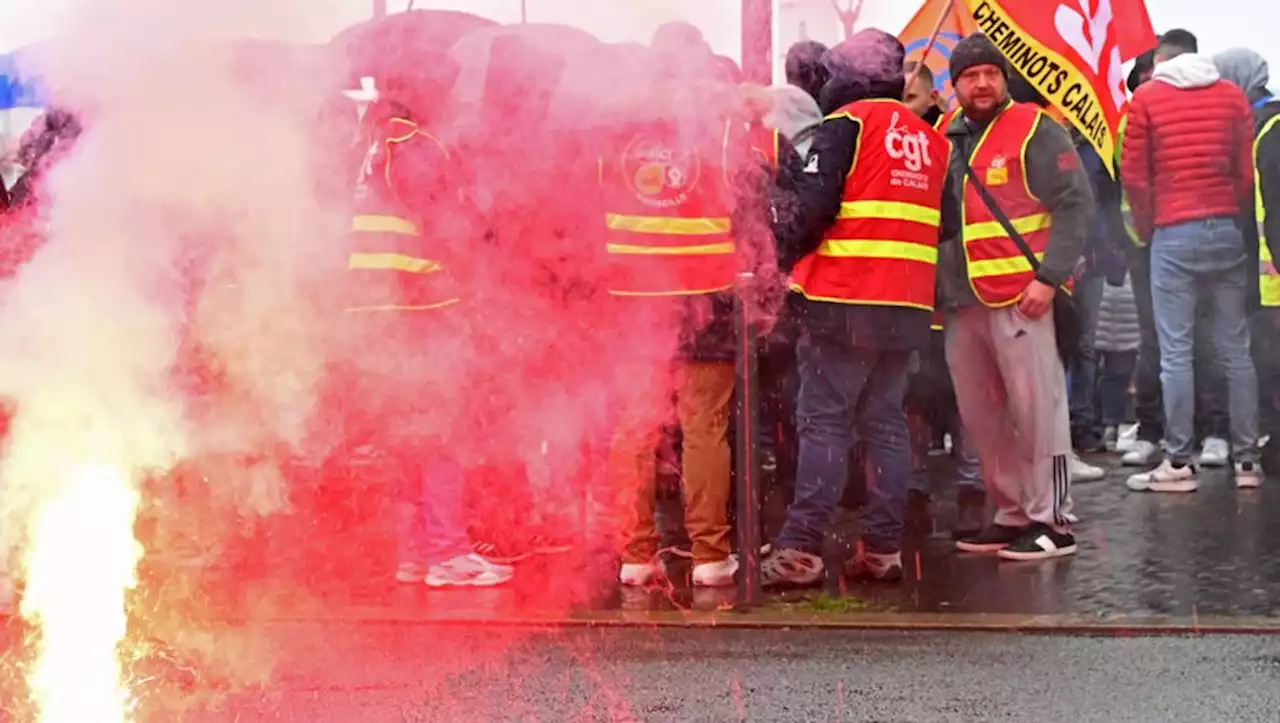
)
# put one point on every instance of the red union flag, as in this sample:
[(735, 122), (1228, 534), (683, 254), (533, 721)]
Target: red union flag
[(1073, 51)]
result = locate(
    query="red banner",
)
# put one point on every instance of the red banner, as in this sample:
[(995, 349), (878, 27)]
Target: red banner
[(1073, 51)]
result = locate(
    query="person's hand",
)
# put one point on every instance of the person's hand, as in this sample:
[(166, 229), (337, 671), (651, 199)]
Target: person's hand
[(1267, 268), (1037, 299)]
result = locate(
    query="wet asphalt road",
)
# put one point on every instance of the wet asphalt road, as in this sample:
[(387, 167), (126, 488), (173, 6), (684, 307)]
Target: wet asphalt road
[(342, 674)]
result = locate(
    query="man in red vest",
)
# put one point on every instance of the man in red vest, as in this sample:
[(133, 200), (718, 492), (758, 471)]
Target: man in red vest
[(862, 250), (1000, 334), (409, 347)]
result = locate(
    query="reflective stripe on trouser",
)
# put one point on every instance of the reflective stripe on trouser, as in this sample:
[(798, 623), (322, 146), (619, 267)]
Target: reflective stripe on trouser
[(1020, 426)]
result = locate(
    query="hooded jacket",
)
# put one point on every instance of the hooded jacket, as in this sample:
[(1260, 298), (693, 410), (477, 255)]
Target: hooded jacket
[(794, 114), (1248, 71), (813, 207), (1187, 153)]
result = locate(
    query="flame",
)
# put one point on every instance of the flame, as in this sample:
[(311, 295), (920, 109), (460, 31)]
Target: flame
[(80, 564)]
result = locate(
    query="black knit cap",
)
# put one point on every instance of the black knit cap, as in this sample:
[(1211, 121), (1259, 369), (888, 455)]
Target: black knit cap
[(976, 49)]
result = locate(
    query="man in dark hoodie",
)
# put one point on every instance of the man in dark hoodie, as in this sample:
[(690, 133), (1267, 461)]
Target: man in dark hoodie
[(862, 250), (1248, 70), (1001, 339)]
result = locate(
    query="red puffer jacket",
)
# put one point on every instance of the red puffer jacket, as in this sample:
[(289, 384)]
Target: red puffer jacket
[(1188, 149)]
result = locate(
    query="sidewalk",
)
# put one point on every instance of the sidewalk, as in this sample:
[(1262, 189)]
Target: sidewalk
[(1202, 562)]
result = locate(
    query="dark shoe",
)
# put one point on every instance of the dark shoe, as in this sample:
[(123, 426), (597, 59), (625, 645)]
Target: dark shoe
[(874, 566), (1040, 542), (971, 512), (991, 539), (918, 520)]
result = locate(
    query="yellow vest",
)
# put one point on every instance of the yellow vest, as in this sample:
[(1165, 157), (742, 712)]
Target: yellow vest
[(1125, 209), (1269, 286)]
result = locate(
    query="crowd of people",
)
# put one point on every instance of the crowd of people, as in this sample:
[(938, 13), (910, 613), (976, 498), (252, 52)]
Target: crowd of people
[(967, 277)]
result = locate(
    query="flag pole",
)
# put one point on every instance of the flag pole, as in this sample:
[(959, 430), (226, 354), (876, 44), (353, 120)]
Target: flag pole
[(933, 38)]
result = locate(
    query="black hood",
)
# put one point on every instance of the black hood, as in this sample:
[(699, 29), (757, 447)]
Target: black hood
[(839, 92)]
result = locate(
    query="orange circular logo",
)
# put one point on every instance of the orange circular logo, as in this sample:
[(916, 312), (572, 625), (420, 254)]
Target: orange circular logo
[(660, 172)]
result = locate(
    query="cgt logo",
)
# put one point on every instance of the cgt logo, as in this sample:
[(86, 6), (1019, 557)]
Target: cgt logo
[(903, 145)]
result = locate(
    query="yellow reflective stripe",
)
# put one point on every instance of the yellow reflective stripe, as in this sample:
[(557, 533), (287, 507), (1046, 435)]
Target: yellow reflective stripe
[(697, 250), (392, 262), (879, 250), (668, 226), (993, 229), (891, 210), (393, 307), (673, 292), (1001, 267), (376, 223)]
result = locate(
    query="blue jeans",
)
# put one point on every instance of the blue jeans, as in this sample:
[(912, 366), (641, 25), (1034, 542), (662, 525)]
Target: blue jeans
[(843, 387), (1082, 377), (431, 524), (1190, 262), (968, 470)]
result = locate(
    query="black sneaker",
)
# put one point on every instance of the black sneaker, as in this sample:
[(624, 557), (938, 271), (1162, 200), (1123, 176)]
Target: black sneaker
[(918, 518), (971, 510), (1040, 542), (991, 539)]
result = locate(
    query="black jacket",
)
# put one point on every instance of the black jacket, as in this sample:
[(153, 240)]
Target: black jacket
[(812, 209), (1268, 168)]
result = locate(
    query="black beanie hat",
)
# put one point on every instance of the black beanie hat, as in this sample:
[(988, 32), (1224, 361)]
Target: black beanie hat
[(976, 49)]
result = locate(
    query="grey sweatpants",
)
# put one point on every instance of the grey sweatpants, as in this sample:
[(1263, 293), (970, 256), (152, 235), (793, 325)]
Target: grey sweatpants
[(1012, 395)]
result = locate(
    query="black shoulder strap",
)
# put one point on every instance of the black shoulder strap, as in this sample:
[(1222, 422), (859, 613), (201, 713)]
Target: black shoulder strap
[(990, 202)]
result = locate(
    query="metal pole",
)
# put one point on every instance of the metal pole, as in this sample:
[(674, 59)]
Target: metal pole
[(524, 12), (747, 481), (757, 41)]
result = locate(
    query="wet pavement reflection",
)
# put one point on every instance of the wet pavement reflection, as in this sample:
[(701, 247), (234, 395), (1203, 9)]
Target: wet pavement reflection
[(1212, 553)]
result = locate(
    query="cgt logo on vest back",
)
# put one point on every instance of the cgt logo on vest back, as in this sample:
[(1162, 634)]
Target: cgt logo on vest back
[(912, 150), (661, 174)]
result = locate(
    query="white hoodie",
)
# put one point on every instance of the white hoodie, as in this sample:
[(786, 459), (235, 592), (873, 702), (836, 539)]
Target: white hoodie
[(1187, 71)]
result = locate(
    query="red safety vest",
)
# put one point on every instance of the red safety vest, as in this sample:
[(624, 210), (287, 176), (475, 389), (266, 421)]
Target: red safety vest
[(395, 266), (883, 248), (944, 121), (998, 271), (669, 201)]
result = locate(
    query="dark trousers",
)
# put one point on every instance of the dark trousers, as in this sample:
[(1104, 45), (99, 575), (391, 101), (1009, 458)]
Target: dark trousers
[(1114, 377), (1266, 357), (847, 393), (1212, 417)]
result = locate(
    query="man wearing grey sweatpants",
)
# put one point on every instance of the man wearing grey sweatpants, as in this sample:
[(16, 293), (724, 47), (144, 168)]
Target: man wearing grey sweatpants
[(1001, 345)]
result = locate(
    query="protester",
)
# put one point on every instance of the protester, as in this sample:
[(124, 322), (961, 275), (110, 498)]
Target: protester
[(931, 399), (673, 235), (1001, 343), (399, 390), (862, 250), (1211, 418), (1188, 170), (794, 111), (1248, 70), (1117, 340), (922, 95)]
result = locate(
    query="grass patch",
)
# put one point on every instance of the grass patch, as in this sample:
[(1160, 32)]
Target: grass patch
[(819, 603)]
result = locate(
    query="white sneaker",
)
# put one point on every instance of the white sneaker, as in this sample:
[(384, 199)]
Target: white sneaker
[(1165, 478), (468, 570), (1082, 471), (639, 574), (1127, 437), (1141, 454), (410, 572), (715, 574), (1248, 475), (1215, 453)]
